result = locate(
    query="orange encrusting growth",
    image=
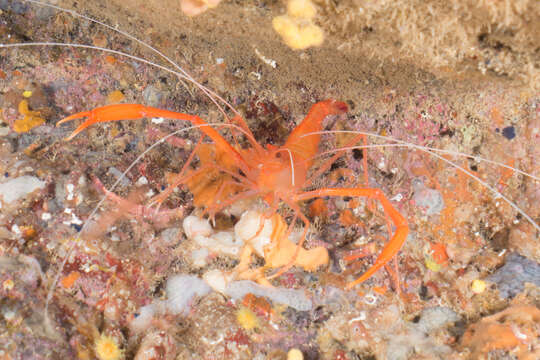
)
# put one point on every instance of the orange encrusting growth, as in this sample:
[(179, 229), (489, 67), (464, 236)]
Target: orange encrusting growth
[(439, 254), (69, 280), (347, 218), (278, 252), (276, 174), (30, 120)]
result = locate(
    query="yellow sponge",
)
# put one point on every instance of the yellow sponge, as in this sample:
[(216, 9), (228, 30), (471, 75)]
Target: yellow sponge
[(295, 354), (478, 286), (297, 33), (247, 318), (301, 9), (107, 348), (296, 27)]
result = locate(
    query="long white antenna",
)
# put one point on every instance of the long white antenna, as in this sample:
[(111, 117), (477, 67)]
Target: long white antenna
[(432, 152), (292, 163)]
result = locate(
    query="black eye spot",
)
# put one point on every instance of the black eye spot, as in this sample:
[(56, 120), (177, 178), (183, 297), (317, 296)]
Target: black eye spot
[(358, 154)]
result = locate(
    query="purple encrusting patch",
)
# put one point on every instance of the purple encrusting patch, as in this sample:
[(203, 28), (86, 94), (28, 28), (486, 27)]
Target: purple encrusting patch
[(512, 277), (509, 132)]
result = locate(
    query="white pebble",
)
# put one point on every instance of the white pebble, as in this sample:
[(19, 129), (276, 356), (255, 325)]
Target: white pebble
[(181, 289), (142, 181), (16, 230), (194, 226), (247, 227), (17, 188), (199, 257), (217, 280), (222, 242)]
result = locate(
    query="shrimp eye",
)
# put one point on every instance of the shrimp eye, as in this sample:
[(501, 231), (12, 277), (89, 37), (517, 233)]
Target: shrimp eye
[(278, 155)]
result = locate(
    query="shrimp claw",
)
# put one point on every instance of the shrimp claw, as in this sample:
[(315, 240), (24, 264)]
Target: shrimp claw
[(104, 114), (137, 111)]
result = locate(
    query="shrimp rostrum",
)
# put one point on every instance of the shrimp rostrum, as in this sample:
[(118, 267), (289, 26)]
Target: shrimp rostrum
[(275, 174)]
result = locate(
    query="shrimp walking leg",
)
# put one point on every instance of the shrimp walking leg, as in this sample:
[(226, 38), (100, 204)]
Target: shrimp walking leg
[(396, 241)]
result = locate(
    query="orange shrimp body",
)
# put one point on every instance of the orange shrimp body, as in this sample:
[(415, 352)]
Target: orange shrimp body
[(280, 173), (274, 177), (269, 171), (276, 174)]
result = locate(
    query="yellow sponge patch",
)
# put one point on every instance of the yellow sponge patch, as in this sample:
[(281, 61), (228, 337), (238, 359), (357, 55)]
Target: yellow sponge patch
[(301, 9), (247, 318), (296, 27), (107, 348), (298, 33), (295, 354), (30, 120), (478, 286)]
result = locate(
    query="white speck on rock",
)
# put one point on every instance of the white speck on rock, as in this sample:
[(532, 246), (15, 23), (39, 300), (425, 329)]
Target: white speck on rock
[(199, 257), (16, 230), (142, 181)]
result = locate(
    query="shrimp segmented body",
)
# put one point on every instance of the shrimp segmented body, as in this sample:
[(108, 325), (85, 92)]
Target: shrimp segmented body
[(275, 174)]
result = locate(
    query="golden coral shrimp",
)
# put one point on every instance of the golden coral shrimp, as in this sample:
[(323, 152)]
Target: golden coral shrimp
[(275, 174)]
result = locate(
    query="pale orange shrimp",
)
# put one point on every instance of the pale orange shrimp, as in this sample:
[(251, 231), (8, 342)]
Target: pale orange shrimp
[(276, 174)]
